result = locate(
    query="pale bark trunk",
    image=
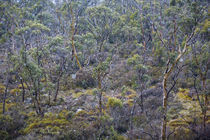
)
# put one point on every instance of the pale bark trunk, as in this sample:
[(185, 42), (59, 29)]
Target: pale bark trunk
[(167, 75), (165, 93), (165, 100), (72, 39)]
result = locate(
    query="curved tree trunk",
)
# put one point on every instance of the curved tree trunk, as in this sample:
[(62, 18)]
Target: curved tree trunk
[(165, 100), (74, 52)]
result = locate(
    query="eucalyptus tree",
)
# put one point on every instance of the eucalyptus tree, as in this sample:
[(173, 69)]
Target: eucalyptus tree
[(58, 56), (31, 35), (199, 68), (175, 41), (8, 13), (69, 14), (100, 22), (141, 83)]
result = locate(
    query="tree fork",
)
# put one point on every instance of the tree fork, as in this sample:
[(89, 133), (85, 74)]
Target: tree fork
[(167, 73)]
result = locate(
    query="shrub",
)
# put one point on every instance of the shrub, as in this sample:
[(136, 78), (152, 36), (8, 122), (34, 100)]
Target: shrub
[(50, 124), (24, 84), (10, 126), (114, 102), (15, 91)]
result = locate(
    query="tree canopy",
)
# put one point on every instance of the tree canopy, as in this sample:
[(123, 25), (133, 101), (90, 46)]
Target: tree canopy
[(104, 69)]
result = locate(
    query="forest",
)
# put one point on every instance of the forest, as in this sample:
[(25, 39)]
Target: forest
[(104, 70)]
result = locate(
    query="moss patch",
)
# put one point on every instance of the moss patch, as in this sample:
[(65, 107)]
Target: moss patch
[(78, 94)]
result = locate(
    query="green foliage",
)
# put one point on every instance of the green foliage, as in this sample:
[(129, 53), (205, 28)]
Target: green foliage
[(102, 67), (114, 102), (15, 91), (160, 55), (33, 26), (8, 106), (11, 123), (190, 111), (205, 26), (5, 121), (115, 135), (118, 43), (2, 88), (127, 91), (21, 86), (57, 40), (91, 91), (183, 94), (52, 124), (133, 60), (78, 94), (140, 68)]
